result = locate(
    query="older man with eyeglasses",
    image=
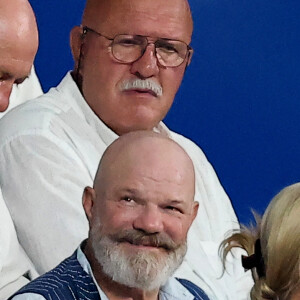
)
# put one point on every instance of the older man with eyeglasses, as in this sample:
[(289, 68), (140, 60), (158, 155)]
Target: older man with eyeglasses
[(130, 59)]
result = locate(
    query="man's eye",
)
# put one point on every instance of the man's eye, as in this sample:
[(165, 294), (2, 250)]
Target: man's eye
[(129, 42), (173, 209), (127, 199), (167, 48)]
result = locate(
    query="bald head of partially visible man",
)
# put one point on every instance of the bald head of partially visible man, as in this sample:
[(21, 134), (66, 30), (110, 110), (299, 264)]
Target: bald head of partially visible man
[(18, 45), (140, 210)]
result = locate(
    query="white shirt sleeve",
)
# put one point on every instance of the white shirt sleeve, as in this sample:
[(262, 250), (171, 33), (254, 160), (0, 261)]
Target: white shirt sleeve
[(14, 263), (46, 190), (28, 296)]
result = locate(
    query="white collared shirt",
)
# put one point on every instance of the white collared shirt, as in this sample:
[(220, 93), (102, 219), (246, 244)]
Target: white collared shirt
[(15, 266), (49, 151), (172, 290)]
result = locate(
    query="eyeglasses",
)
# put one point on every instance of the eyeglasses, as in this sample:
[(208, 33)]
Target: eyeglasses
[(128, 48)]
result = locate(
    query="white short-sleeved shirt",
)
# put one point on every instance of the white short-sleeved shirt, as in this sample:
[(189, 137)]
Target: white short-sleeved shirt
[(15, 267)]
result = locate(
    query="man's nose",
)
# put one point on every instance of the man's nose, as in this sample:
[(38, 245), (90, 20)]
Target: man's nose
[(147, 65), (150, 220), (5, 91)]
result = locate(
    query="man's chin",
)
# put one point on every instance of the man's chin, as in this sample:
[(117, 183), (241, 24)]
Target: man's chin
[(140, 117), (138, 266)]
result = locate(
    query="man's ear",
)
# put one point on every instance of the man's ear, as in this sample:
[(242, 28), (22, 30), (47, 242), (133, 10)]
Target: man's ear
[(76, 43), (191, 52), (88, 200), (195, 210)]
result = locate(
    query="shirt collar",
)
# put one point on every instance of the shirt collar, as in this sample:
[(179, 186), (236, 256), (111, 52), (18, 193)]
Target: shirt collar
[(88, 269), (70, 90), (172, 290)]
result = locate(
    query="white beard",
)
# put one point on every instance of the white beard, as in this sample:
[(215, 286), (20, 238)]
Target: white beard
[(141, 269)]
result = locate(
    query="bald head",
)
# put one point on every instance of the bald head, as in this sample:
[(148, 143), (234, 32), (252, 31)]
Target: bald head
[(18, 45), (155, 152), (98, 12), (18, 16)]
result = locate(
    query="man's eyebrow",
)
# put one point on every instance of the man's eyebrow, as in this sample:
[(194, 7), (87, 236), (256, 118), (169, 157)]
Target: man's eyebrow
[(138, 195), (7, 75), (176, 201), (132, 191)]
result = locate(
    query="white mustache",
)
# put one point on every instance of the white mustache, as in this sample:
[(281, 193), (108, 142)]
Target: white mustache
[(146, 84)]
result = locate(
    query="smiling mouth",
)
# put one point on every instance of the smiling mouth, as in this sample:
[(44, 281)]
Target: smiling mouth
[(144, 246)]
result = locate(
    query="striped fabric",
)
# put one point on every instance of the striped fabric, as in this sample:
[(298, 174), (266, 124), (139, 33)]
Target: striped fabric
[(69, 281), (193, 289)]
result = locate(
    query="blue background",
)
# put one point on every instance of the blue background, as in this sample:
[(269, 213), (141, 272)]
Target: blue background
[(240, 97)]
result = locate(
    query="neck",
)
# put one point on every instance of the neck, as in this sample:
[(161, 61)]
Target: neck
[(78, 79), (114, 290)]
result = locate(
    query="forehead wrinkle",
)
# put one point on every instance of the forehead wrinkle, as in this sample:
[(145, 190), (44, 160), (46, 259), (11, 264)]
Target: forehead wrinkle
[(175, 179), (18, 45), (6, 54), (7, 63), (143, 190), (168, 32), (111, 19), (131, 148)]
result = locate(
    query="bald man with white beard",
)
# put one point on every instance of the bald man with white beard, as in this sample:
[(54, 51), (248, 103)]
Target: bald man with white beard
[(18, 82), (139, 212)]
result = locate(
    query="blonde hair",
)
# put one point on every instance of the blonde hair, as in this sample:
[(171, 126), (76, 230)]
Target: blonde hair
[(279, 235)]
